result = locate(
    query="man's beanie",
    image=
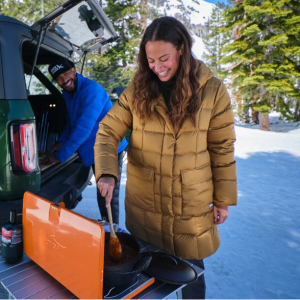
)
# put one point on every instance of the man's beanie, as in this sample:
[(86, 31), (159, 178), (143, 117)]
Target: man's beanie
[(61, 65)]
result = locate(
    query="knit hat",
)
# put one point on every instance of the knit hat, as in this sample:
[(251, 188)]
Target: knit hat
[(60, 66)]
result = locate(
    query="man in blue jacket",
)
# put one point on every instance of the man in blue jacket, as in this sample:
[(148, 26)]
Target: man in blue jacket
[(87, 104)]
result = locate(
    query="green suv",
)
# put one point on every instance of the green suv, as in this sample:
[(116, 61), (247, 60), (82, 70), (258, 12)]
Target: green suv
[(32, 109)]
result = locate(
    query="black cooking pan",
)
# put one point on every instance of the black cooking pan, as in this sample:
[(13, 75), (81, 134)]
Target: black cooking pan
[(121, 274)]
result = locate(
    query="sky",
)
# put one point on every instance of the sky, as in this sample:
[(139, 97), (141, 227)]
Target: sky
[(216, 1), (212, 1)]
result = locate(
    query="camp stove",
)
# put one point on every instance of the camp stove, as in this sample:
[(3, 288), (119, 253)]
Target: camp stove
[(128, 291), (70, 248)]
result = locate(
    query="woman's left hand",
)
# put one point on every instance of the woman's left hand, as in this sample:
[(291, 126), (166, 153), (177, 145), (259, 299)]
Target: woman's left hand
[(220, 214)]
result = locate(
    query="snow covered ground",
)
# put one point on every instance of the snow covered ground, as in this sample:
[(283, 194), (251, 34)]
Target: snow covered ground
[(277, 125), (259, 256)]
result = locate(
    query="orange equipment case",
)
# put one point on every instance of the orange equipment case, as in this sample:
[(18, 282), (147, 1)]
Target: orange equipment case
[(65, 244)]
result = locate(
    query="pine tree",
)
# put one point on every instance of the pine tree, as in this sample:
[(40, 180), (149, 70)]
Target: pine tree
[(264, 70), (291, 26), (28, 11), (215, 41), (115, 66), (144, 14)]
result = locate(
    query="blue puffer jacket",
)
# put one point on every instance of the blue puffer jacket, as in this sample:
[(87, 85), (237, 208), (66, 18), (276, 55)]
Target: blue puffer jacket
[(86, 108)]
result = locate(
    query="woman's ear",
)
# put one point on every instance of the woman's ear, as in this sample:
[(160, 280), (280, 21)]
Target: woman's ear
[(181, 49)]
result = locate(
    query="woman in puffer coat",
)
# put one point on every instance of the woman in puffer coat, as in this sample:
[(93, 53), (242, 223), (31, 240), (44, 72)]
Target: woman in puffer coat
[(181, 172)]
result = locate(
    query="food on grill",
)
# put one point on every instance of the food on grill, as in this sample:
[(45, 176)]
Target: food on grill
[(128, 254)]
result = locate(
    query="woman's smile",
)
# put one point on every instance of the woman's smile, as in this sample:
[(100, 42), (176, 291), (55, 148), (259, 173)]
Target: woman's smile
[(163, 59)]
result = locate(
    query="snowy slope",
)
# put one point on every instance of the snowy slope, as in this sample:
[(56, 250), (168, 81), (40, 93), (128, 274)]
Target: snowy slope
[(196, 11), (191, 12), (198, 46)]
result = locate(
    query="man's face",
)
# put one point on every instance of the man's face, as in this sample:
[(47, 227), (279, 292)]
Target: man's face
[(67, 80)]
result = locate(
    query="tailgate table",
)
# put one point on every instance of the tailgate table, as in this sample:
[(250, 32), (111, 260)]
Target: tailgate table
[(26, 280)]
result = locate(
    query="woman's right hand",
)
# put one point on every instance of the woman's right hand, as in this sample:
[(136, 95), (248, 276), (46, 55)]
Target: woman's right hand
[(106, 187)]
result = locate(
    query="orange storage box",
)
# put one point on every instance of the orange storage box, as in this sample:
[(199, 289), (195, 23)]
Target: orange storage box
[(65, 244)]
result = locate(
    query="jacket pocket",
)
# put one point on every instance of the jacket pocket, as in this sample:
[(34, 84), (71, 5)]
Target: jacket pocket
[(197, 191), (140, 186)]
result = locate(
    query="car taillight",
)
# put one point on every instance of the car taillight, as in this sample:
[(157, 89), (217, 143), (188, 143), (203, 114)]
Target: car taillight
[(17, 149), (23, 147)]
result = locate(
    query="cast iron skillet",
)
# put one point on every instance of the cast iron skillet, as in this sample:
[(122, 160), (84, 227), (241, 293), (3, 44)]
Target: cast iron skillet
[(122, 274)]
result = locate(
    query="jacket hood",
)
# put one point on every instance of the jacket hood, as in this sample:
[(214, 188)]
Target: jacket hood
[(204, 73)]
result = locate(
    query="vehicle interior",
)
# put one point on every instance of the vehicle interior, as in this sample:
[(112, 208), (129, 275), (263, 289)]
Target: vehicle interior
[(45, 98)]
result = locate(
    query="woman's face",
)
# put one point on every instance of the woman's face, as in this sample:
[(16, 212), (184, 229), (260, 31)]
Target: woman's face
[(163, 59)]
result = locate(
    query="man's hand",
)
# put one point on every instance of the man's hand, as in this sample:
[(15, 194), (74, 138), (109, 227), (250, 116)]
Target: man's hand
[(50, 159), (106, 187), (56, 147), (220, 214)]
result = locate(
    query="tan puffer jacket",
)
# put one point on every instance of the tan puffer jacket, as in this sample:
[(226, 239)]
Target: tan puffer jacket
[(174, 178)]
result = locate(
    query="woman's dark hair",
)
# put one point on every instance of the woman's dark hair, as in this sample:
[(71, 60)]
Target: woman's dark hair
[(184, 99)]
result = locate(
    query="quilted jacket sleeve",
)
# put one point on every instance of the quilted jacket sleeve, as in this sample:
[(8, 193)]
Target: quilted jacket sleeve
[(112, 129), (90, 110), (221, 138)]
